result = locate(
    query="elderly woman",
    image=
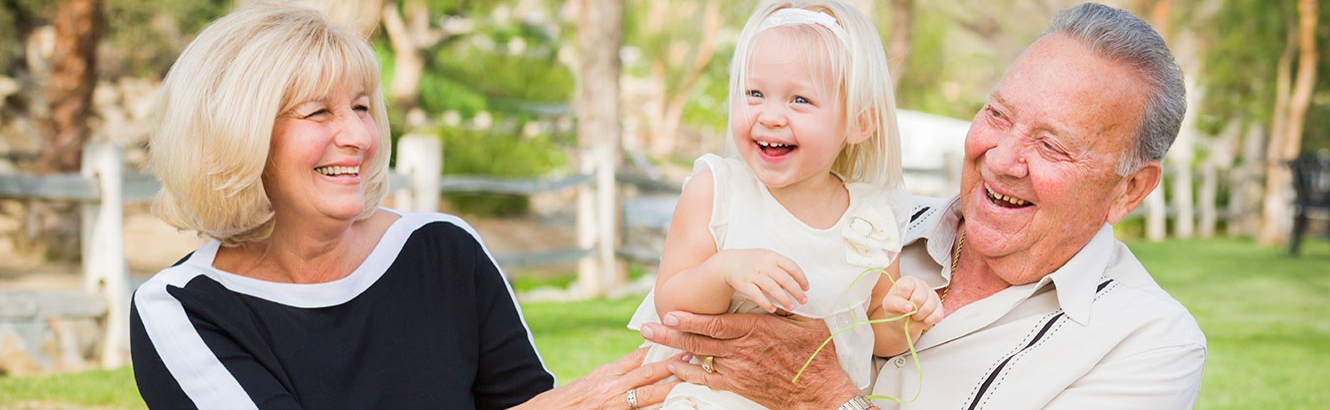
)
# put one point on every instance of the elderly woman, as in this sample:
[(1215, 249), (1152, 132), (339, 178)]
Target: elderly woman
[(272, 140)]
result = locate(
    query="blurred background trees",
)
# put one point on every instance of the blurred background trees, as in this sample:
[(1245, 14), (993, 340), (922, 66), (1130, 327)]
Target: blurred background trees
[(497, 81)]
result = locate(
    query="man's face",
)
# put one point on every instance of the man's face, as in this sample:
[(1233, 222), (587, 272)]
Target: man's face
[(1039, 174)]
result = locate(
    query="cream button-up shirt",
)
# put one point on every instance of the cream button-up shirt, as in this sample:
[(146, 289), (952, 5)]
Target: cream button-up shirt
[(1098, 333)]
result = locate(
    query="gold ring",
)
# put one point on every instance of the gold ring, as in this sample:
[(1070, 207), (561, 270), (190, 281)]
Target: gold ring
[(709, 364)]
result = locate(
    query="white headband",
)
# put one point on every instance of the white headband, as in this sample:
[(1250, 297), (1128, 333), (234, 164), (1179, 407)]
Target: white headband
[(793, 16)]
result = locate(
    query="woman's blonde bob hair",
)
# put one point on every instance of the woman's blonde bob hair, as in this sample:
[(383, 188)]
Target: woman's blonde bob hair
[(858, 68), (217, 106)]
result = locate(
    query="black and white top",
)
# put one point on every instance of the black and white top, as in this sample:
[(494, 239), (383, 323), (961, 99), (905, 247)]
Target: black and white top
[(426, 322)]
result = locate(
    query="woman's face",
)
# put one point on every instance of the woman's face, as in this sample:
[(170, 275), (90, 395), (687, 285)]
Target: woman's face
[(320, 155)]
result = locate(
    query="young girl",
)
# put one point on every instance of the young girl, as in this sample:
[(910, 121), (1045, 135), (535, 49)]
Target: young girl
[(811, 198)]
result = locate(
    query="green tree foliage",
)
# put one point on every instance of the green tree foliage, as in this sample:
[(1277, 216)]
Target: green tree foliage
[(501, 154), (1245, 38), (505, 67), (17, 19), (146, 36)]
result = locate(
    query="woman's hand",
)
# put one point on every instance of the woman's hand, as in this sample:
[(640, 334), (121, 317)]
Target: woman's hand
[(757, 273), (756, 356), (607, 386)]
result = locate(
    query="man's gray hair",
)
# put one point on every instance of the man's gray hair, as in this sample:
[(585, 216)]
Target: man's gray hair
[(1120, 36)]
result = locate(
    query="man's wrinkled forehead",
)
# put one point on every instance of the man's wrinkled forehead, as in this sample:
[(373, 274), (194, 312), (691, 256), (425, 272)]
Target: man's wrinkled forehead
[(1065, 86)]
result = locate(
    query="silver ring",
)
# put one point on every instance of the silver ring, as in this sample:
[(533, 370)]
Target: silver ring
[(632, 399)]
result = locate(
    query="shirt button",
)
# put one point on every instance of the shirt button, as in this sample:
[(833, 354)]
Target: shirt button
[(900, 362)]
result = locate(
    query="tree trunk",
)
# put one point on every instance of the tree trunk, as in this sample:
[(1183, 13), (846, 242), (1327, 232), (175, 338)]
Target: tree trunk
[(902, 32), (408, 64), (52, 228), (1285, 148), (599, 36), (78, 27)]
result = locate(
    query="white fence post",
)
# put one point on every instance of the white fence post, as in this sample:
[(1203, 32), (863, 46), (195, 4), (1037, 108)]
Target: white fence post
[(588, 269), (608, 215), (105, 270), (421, 157), (1156, 214)]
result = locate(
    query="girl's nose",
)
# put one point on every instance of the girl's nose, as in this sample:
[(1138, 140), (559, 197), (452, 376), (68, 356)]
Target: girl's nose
[(771, 116)]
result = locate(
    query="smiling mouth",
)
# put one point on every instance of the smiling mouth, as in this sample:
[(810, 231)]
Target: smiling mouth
[(1005, 201), (775, 149), (336, 171)]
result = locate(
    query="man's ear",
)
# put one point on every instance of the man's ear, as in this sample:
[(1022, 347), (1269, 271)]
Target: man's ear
[(1133, 190), (865, 124)]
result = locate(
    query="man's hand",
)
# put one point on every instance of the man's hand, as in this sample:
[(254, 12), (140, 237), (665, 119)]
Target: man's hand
[(757, 356)]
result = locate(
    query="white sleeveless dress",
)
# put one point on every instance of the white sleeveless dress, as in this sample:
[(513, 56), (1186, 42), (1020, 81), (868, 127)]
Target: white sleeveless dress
[(744, 215)]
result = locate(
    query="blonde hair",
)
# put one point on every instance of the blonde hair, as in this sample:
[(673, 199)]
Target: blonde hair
[(217, 106), (858, 67)]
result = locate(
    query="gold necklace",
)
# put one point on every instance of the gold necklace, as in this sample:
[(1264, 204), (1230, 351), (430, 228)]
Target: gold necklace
[(955, 259)]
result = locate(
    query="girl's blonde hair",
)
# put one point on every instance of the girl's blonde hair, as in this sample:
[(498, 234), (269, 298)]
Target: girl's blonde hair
[(217, 106), (858, 67)]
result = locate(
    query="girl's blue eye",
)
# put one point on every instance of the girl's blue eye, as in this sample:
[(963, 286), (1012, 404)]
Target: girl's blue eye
[(755, 93), (800, 100)]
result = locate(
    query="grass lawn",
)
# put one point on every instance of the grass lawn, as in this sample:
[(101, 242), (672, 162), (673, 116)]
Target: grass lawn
[(1264, 315)]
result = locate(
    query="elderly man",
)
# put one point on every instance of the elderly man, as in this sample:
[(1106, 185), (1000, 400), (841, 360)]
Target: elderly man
[(1043, 307)]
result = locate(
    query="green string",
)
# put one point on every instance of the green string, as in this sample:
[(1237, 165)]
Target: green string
[(908, 342)]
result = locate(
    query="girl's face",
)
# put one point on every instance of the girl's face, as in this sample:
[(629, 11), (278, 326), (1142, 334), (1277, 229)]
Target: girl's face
[(320, 155), (789, 125)]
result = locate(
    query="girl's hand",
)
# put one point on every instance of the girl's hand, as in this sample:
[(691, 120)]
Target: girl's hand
[(762, 275), (908, 293)]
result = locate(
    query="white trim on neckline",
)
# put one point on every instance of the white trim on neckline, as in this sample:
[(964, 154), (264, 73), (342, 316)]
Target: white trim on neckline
[(318, 295)]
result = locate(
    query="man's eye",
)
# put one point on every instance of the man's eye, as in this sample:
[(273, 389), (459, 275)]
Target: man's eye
[(800, 100), (995, 113)]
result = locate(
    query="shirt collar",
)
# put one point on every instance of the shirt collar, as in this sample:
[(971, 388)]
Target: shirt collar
[(1076, 282)]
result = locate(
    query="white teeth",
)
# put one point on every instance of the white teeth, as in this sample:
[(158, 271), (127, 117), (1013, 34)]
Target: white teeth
[(1010, 200), (772, 144), (337, 170)]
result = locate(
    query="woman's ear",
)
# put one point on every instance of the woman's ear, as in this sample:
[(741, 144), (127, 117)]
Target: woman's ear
[(865, 124)]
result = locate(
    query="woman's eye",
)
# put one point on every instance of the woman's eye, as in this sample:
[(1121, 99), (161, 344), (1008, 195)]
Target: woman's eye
[(361, 108), (321, 111), (800, 100)]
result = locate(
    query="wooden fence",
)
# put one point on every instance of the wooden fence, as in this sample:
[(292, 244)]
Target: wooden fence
[(103, 187)]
